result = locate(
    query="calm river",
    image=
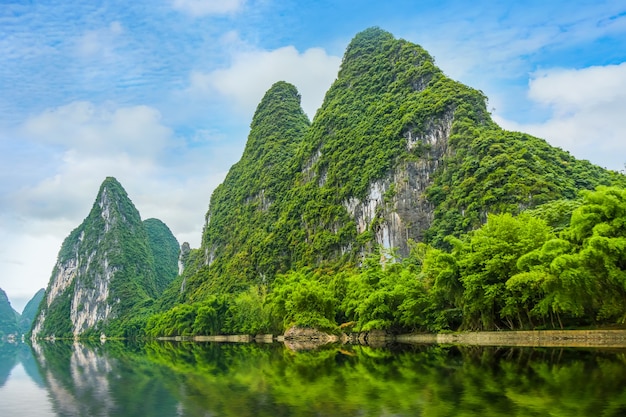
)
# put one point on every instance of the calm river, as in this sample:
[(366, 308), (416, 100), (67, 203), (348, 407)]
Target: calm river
[(194, 379)]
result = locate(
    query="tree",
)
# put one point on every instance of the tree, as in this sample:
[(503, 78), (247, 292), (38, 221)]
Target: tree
[(489, 260)]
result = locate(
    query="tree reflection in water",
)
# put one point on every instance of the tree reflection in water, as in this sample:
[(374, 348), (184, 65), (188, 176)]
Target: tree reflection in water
[(194, 379)]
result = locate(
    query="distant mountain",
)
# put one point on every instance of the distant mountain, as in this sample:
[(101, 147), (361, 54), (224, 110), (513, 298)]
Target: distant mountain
[(105, 271), (165, 250), (8, 317), (397, 152), (30, 311)]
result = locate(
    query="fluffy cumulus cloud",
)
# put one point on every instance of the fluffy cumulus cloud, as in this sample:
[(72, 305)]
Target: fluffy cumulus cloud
[(26, 264), (87, 128), (252, 73), (129, 143), (208, 7), (92, 142), (587, 108)]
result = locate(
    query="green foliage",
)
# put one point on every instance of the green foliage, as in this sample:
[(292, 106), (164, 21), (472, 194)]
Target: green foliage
[(242, 238), (440, 274), (112, 249), (8, 316), (495, 171), (165, 249), (57, 320), (598, 229), (303, 299), (384, 296), (30, 311), (556, 213), (513, 272), (243, 313), (489, 260), (503, 245)]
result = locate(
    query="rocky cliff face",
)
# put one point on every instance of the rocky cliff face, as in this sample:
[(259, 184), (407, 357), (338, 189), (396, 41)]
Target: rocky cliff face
[(104, 270), (395, 207)]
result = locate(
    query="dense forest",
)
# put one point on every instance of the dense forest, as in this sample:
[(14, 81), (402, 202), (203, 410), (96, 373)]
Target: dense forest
[(515, 272), (9, 318)]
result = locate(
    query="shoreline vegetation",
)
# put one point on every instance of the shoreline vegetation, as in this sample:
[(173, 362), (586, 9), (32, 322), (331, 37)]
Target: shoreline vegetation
[(306, 338)]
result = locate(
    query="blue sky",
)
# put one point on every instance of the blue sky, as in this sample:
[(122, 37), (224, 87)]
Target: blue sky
[(160, 94)]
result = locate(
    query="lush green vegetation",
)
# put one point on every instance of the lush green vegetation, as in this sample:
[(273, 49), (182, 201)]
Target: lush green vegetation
[(514, 272), (165, 249), (510, 238), (495, 171), (8, 317), (30, 311), (115, 247), (58, 314), (279, 234), (242, 239), (241, 313)]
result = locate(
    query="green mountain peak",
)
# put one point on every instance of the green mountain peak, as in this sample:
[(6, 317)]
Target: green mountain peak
[(105, 270)]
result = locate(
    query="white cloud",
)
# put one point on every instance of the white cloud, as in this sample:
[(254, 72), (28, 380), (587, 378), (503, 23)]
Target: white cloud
[(26, 265), (208, 7), (587, 110), (91, 129), (129, 143), (570, 90), (96, 141), (100, 42), (252, 73)]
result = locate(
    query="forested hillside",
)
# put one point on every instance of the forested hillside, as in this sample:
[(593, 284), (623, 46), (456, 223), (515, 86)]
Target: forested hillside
[(30, 311), (8, 317), (165, 249), (402, 206)]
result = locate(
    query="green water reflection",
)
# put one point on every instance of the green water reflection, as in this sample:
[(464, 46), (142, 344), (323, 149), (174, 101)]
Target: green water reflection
[(191, 379)]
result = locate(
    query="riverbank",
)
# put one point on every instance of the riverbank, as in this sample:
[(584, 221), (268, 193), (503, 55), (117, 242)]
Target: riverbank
[(237, 338), (530, 338), (306, 339)]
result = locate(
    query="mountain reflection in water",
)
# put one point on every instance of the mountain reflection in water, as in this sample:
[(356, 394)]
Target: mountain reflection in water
[(196, 379)]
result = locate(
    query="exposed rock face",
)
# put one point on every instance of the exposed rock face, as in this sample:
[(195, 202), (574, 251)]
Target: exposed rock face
[(305, 338), (104, 269), (396, 208)]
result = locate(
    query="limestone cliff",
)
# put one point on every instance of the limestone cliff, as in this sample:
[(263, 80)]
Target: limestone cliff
[(105, 270)]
